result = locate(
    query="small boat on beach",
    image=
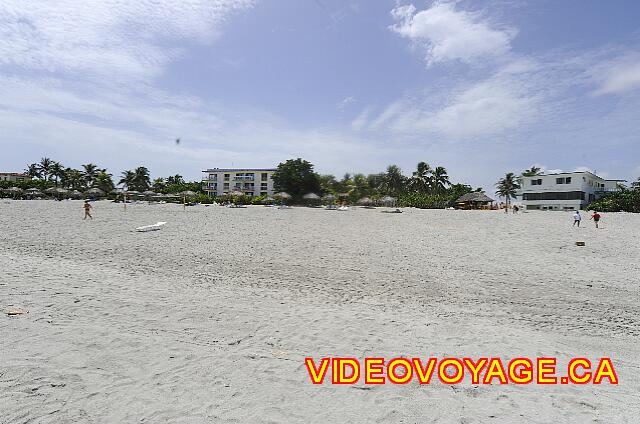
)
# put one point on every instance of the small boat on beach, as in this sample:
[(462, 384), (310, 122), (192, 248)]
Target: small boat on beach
[(152, 227)]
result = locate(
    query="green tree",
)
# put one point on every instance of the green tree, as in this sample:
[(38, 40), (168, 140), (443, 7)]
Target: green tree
[(421, 180), (90, 172), (45, 168), (507, 187), (103, 181), (33, 170), (158, 184), (127, 179), (440, 179), (296, 177), (531, 172), (328, 184), (394, 182), (57, 172), (73, 179), (175, 179)]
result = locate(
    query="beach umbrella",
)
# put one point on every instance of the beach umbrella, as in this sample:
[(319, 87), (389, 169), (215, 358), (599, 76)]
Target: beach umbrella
[(311, 196), (149, 193), (51, 190), (364, 201), (32, 190), (76, 193), (187, 193), (132, 193), (94, 192), (282, 195), (236, 193), (14, 190), (267, 200)]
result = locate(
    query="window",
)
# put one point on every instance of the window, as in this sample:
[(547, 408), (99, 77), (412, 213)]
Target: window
[(536, 182), (566, 195), (226, 177), (226, 186), (263, 186), (563, 180), (263, 193), (567, 180), (264, 176)]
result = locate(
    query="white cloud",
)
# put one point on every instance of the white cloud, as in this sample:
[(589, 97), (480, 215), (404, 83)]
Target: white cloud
[(618, 77), (119, 39), (448, 34)]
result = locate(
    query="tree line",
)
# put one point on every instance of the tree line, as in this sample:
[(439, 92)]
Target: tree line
[(426, 187), (50, 173)]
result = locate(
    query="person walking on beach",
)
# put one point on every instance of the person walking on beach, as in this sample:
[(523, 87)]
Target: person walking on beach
[(577, 218), (515, 209), (87, 210), (596, 218)]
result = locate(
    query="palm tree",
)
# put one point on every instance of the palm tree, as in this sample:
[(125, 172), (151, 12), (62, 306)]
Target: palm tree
[(394, 182), (440, 179), (158, 184), (45, 167), (531, 172), (91, 172), (73, 179), (636, 184), (421, 180), (33, 170), (507, 187), (57, 171), (142, 180), (127, 180), (175, 179), (103, 181)]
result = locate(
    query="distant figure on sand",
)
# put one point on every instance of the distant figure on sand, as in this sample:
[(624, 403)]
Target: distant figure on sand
[(515, 208), (596, 218), (577, 218), (87, 210)]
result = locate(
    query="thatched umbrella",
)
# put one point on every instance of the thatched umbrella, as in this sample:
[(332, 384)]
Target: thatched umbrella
[(51, 190), (282, 196), (185, 194), (236, 193), (94, 192), (365, 201), (473, 200), (132, 193), (267, 200), (76, 194), (311, 198), (149, 193), (14, 190), (32, 190)]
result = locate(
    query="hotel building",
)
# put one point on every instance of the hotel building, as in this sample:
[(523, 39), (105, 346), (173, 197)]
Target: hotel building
[(564, 191), (252, 182), (14, 176)]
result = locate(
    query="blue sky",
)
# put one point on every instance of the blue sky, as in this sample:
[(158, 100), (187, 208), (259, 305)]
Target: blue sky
[(480, 87)]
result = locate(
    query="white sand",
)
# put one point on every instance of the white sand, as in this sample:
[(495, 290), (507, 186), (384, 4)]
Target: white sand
[(209, 319)]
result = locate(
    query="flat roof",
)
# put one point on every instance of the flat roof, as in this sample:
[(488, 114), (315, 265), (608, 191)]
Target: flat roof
[(238, 169), (15, 174), (568, 173)]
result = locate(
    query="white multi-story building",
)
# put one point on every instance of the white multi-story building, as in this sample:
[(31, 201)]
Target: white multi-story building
[(252, 182), (564, 191)]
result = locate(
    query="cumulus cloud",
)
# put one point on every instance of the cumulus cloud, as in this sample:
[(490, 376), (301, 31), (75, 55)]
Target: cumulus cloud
[(448, 34)]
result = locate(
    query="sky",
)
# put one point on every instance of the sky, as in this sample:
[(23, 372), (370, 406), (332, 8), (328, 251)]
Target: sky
[(480, 87)]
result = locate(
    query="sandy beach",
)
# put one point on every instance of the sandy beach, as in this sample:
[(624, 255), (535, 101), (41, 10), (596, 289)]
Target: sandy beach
[(210, 319)]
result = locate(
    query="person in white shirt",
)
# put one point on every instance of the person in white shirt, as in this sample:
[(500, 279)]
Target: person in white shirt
[(577, 218)]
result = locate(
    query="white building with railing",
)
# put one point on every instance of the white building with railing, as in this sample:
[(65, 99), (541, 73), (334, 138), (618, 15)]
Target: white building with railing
[(564, 191), (250, 181)]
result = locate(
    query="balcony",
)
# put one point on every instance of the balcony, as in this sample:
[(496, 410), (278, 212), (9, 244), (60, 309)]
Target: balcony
[(244, 178)]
